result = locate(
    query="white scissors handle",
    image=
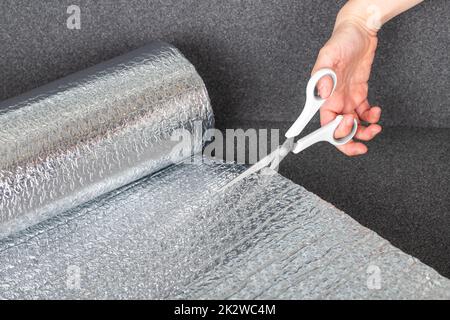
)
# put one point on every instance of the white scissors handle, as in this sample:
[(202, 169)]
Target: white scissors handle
[(313, 102), (325, 133)]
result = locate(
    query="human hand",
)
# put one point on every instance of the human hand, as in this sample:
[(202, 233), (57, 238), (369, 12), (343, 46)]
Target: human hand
[(349, 52)]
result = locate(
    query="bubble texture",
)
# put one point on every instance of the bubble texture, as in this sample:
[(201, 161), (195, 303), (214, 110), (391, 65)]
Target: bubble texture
[(87, 134), (173, 235), (95, 203)]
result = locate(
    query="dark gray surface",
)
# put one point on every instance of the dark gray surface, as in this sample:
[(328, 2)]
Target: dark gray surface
[(400, 189), (254, 56)]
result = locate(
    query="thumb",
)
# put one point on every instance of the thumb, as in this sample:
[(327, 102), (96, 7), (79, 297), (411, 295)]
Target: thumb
[(325, 84)]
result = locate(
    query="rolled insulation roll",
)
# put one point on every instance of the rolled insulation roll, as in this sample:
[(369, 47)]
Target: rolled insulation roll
[(70, 141)]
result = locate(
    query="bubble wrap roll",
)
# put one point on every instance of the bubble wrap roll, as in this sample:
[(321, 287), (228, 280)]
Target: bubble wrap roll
[(68, 142)]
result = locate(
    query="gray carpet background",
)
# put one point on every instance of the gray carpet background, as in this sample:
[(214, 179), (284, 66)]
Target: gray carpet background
[(255, 56)]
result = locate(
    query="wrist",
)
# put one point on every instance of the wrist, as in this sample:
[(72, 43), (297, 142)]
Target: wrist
[(372, 14), (363, 14)]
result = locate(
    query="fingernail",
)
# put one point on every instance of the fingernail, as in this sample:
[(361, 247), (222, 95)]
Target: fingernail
[(349, 121)]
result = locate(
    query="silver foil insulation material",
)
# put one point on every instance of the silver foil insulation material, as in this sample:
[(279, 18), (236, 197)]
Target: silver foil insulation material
[(68, 142), (91, 206), (172, 235)]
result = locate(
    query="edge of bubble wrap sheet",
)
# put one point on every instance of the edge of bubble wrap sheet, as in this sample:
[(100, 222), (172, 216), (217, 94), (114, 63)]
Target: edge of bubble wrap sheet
[(172, 235)]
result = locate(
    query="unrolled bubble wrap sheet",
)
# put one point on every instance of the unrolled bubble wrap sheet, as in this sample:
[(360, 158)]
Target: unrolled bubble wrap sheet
[(172, 235), (78, 227)]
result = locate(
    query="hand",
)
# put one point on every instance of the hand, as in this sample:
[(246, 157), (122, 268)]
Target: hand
[(349, 52)]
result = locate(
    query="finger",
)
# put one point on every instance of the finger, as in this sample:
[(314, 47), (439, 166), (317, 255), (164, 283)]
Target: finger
[(372, 115), (367, 113), (326, 116), (345, 127), (367, 133), (353, 148)]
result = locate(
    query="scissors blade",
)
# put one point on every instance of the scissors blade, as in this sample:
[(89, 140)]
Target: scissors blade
[(282, 152), (264, 162)]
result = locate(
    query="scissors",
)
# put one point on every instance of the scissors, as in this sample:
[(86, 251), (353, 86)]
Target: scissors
[(325, 133)]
